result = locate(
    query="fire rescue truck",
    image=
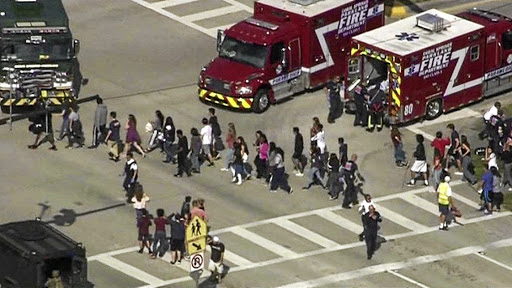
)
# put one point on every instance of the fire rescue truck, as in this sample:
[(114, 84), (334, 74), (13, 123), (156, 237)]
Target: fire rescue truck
[(434, 62), (38, 55), (286, 47)]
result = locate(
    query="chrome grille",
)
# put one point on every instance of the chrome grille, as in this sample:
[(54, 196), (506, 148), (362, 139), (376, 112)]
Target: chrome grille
[(218, 86), (42, 79)]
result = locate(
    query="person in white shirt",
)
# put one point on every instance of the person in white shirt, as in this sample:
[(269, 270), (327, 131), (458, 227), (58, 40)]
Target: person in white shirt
[(320, 139), (206, 138), (492, 112), (487, 119), (139, 201), (364, 209)]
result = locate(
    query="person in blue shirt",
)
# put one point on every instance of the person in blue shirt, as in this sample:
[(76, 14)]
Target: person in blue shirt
[(486, 190)]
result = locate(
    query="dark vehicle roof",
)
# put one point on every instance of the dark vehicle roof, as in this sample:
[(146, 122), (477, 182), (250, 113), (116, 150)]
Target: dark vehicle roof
[(35, 239), (51, 12)]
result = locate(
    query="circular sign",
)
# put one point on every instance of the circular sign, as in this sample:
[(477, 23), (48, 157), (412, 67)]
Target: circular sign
[(196, 261)]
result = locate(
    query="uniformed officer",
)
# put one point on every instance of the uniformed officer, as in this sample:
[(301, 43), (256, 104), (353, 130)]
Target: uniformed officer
[(376, 110), (360, 98), (334, 89), (370, 231), (131, 174)]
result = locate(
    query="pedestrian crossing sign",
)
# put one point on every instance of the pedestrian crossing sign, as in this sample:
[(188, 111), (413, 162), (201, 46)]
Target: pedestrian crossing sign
[(196, 229)]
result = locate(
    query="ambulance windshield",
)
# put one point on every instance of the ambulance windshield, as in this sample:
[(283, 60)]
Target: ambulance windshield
[(248, 53)]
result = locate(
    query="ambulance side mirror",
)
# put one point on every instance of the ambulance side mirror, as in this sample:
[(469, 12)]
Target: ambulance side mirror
[(76, 47), (220, 38)]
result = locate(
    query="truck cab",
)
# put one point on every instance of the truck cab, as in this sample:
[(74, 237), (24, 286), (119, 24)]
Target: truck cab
[(31, 250)]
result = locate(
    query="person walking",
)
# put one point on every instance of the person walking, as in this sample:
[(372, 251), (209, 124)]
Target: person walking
[(75, 134), (396, 138), (298, 149), (230, 141), (207, 141), (143, 227), (139, 201), (195, 150), (420, 162), (360, 101), (278, 175), (445, 201), (370, 231), (182, 155), (132, 136), (99, 128), (216, 132), (342, 151), (113, 138), (364, 209), (169, 137), (314, 130), (64, 127), (352, 175), (506, 157), (454, 150), (320, 139), (177, 223), (334, 184), (490, 157), (497, 194), (486, 190), (43, 126), (237, 164), (160, 237), (156, 129), (314, 171), (439, 143), (334, 88), (468, 169), (131, 175), (216, 265), (261, 162)]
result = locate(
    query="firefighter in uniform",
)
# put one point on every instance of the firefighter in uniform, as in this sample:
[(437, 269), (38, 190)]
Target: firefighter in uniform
[(376, 111), (360, 96)]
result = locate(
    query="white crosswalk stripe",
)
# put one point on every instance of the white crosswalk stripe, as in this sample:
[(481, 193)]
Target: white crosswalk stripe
[(340, 221), (305, 233), (211, 13), (232, 257), (458, 197), (170, 3), (263, 242), (401, 220), (130, 270)]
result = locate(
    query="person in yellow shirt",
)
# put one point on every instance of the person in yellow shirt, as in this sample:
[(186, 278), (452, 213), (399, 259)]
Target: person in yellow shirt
[(444, 199)]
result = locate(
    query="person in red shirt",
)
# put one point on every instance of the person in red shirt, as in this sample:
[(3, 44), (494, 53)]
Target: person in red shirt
[(197, 211), (143, 224), (440, 144), (160, 245)]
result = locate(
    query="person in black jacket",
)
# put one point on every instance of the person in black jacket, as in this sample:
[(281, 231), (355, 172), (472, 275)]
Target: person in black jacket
[(317, 163), (370, 231), (182, 154), (185, 207), (335, 181), (351, 176), (297, 152), (177, 224), (420, 162)]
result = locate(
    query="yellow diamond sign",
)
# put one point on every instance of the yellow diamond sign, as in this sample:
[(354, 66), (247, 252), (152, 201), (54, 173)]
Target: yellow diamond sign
[(196, 229)]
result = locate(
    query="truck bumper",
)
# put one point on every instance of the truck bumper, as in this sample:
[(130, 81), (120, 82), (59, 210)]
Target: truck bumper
[(225, 100), (52, 97)]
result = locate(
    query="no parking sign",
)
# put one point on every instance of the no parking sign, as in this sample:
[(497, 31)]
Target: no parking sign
[(196, 262)]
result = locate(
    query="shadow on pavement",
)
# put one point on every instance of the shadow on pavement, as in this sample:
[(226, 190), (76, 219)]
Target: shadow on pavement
[(211, 282), (67, 217)]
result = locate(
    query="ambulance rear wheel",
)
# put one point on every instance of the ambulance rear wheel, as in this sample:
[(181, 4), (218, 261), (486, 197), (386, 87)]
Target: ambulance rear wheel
[(261, 101), (434, 109)]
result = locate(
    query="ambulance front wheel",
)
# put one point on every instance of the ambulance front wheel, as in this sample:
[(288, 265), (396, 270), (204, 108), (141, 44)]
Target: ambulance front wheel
[(434, 109), (261, 101)]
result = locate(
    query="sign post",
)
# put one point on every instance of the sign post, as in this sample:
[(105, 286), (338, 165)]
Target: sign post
[(196, 235)]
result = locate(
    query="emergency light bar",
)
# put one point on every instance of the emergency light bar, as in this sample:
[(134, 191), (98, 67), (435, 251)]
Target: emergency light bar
[(431, 22), (261, 23), (34, 30)]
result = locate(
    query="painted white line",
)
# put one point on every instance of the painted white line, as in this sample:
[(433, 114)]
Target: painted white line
[(451, 116), (239, 5), (130, 270), (400, 220), (407, 279), (184, 265), (113, 253), (264, 242), (340, 221), (305, 233), (415, 191), (460, 198), (223, 27), (170, 3), (337, 248), (211, 13), (421, 203), (344, 276), (232, 257), (174, 17), (479, 254)]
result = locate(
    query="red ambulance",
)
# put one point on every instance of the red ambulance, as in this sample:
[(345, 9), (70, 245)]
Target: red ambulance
[(286, 47), (434, 62)]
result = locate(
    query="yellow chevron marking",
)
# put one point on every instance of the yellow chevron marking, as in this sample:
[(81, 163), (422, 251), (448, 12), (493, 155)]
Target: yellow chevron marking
[(202, 92), (232, 102), (33, 102), (245, 104), (22, 102)]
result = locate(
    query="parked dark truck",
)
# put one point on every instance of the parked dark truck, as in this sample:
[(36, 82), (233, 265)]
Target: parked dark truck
[(38, 55), (31, 250)]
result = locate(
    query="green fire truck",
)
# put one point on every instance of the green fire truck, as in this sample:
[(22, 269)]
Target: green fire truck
[(38, 55)]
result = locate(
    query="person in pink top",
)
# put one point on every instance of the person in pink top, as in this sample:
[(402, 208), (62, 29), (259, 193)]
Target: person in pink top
[(261, 162), (230, 140), (197, 211)]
